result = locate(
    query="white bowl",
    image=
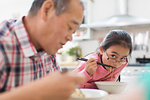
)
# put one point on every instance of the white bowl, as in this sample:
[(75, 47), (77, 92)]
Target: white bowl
[(91, 94), (111, 87)]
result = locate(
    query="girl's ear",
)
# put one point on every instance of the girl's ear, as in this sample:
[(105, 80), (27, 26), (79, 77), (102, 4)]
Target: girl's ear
[(101, 50)]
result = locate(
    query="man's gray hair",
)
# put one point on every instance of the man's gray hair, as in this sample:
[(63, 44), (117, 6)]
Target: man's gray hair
[(60, 6)]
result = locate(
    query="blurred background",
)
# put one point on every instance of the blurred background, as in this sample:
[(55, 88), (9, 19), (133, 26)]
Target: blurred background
[(100, 16)]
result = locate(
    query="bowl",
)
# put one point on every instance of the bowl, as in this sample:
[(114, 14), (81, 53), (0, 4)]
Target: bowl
[(90, 94), (111, 87)]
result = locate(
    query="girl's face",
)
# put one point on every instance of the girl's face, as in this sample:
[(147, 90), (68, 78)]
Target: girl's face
[(115, 55)]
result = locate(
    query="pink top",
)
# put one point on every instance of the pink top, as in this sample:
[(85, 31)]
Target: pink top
[(101, 73)]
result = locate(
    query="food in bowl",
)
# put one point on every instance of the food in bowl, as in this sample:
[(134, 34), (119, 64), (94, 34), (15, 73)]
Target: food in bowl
[(111, 87), (89, 94), (78, 94)]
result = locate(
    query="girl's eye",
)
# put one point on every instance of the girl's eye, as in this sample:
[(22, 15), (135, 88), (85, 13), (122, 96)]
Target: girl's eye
[(123, 59), (113, 56)]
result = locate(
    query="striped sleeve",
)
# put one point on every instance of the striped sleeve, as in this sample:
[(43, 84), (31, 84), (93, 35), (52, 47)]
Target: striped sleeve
[(1, 60), (2, 70)]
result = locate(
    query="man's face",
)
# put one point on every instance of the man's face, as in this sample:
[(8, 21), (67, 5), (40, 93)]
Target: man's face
[(57, 30)]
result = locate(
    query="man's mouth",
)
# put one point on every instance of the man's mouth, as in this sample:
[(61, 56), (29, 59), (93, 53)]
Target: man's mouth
[(62, 44)]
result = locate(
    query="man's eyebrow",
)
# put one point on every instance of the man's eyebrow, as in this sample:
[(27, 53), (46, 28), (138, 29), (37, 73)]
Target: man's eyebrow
[(75, 22)]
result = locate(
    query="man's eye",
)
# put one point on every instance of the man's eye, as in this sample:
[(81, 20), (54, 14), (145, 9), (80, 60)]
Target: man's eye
[(70, 28)]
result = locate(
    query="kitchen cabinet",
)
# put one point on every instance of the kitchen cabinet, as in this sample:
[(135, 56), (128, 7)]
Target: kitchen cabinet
[(84, 31), (69, 65)]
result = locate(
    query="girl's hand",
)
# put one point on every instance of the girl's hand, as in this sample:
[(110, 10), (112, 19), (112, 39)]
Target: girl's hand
[(91, 66)]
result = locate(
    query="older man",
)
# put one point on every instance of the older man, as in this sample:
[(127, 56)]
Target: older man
[(27, 47)]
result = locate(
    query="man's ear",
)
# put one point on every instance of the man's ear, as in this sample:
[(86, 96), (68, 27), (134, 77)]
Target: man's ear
[(101, 50), (47, 9)]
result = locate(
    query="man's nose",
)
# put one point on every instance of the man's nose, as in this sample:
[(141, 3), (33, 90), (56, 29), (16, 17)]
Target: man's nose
[(69, 37)]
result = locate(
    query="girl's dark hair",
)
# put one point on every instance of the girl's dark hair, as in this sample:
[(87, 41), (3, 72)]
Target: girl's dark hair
[(60, 6), (117, 37)]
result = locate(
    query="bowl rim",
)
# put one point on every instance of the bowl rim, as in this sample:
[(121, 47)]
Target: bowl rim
[(84, 89), (110, 83)]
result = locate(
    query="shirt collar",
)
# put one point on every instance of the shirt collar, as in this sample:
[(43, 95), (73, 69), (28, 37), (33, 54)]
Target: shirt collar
[(27, 47)]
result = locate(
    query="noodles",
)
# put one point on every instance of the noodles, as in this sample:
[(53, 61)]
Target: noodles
[(111, 75), (78, 94), (110, 69)]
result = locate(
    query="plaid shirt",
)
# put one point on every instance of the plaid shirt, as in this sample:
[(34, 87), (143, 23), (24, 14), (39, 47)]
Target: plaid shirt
[(20, 63)]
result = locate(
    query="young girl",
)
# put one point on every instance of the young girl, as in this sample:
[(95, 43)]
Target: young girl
[(113, 51)]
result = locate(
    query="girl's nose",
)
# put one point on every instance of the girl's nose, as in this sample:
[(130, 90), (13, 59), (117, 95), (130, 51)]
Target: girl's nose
[(116, 64)]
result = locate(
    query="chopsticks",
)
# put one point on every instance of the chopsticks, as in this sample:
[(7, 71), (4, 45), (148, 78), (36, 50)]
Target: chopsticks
[(84, 59)]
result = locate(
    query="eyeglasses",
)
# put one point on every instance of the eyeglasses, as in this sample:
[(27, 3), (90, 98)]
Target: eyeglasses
[(113, 59)]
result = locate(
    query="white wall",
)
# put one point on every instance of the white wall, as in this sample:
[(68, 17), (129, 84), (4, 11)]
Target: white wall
[(14, 8), (139, 8), (102, 9), (88, 46)]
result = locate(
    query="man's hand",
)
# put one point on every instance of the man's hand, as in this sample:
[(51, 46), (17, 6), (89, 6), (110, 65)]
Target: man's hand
[(55, 86)]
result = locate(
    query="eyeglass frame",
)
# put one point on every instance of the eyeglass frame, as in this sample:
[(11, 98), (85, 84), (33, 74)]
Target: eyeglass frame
[(120, 62)]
